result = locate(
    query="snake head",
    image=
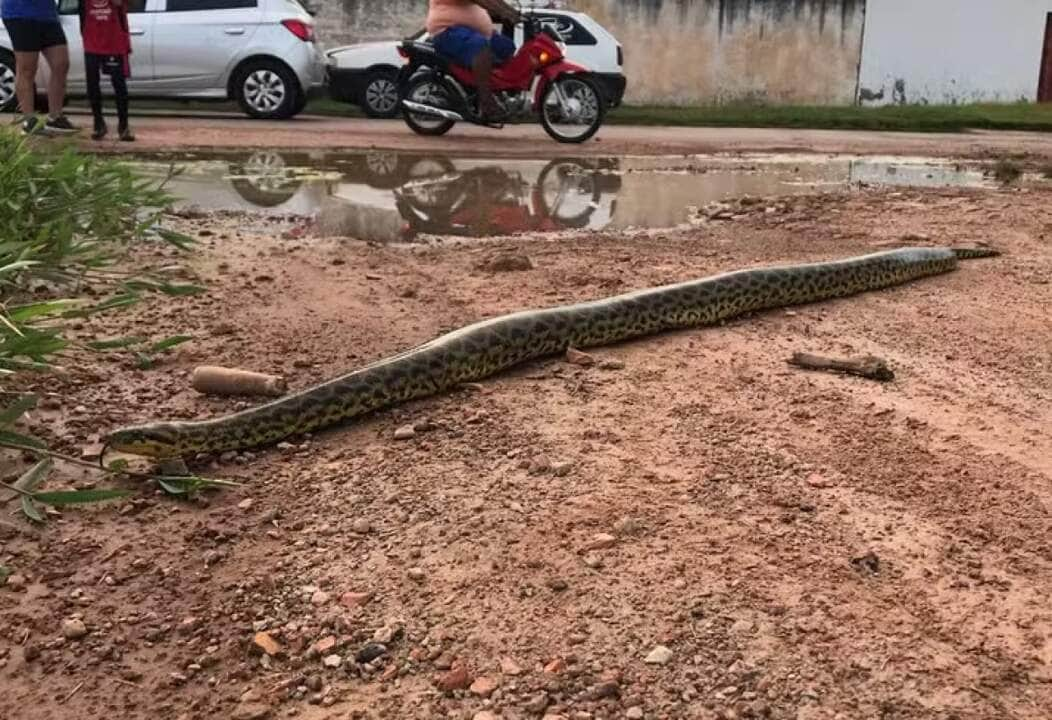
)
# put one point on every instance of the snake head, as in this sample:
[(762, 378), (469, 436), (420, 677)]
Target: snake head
[(154, 441)]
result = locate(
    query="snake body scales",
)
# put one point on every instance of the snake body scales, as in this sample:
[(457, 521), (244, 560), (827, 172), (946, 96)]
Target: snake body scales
[(490, 346)]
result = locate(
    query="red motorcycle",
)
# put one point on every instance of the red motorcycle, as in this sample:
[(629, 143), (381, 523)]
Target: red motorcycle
[(537, 81)]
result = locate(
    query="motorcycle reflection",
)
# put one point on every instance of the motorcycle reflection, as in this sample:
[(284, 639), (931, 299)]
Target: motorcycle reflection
[(433, 194), (490, 200)]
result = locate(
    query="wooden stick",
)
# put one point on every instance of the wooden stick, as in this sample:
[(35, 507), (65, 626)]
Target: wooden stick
[(211, 380), (870, 367)]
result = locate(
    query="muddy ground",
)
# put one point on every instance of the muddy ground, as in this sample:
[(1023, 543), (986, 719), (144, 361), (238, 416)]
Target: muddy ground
[(689, 528), (211, 131)]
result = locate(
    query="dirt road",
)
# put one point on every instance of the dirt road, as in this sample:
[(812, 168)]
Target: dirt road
[(688, 528), (212, 132)]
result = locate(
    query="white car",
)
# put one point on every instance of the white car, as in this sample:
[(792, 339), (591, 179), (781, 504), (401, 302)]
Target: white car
[(260, 53), (366, 73)]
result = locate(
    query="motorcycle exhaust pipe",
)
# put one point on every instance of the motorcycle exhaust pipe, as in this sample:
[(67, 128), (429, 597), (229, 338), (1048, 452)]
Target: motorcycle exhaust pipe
[(429, 110)]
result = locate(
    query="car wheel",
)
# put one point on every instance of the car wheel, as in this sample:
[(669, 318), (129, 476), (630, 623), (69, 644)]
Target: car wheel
[(8, 101), (266, 90), (299, 105), (380, 94)]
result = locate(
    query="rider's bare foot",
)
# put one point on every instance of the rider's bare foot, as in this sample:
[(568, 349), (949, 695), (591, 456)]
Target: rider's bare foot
[(490, 110)]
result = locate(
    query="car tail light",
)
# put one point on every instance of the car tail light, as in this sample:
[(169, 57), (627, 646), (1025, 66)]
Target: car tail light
[(300, 29)]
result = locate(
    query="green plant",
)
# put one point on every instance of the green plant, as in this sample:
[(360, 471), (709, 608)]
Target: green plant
[(66, 223), (1006, 171), (26, 489), (66, 219)]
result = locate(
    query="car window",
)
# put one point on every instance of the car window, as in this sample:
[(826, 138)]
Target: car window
[(72, 7), (571, 32), (189, 5)]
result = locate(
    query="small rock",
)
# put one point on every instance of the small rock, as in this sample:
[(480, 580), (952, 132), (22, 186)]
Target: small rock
[(325, 645), (74, 629), (251, 711), (416, 574), (355, 599), (539, 464), (266, 643), (387, 633), (508, 263), (484, 715), (510, 667), (370, 652), (660, 655), (314, 682), (555, 667), (818, 481), (405, 432), (362, 526), (16, 581), (246, 504), (561, 469), (536, 704), (601, 541), (557, 584), (634, 713), (577, 357), (868, 562), (320, 597), (483, 686), (332, 661), (606, 689), (456, 679), (611, 365), (444, 661), (627, 526), (593, 561)]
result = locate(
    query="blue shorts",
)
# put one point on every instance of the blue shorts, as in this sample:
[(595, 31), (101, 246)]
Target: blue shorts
[(461, 44)]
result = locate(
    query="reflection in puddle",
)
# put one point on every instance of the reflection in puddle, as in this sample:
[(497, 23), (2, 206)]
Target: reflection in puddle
[(389, 196)]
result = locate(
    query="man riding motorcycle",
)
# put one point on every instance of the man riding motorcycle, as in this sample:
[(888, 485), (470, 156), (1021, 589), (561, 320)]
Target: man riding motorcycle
[(463, 31)]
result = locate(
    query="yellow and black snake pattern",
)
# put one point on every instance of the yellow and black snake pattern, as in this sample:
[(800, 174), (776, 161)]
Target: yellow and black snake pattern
[(490, 346)]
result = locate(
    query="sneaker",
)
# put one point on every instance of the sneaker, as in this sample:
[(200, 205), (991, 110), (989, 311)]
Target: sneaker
[(31, 124), (59, 126), (100, 131), (126, 134)]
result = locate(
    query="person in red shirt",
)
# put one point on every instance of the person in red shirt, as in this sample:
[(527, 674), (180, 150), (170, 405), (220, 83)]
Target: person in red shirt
[(107, 45)]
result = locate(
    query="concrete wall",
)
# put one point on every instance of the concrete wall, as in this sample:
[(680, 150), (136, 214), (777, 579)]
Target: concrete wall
[(683, 51), (949, 51), (345, 21), (722, 51)]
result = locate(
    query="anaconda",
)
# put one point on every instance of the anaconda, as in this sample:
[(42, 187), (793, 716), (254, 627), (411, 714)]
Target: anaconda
[(490, 346)]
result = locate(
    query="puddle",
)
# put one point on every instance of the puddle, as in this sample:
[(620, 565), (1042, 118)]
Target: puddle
[(389, 196)]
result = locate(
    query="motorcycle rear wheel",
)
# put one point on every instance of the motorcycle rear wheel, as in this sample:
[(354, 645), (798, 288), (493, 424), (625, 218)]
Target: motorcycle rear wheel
[(572, 109), (428, 89)]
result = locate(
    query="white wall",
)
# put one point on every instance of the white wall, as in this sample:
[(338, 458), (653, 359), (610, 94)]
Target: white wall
[(952, 51)]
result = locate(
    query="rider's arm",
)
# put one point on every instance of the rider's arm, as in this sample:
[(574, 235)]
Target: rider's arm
[(500, 8)]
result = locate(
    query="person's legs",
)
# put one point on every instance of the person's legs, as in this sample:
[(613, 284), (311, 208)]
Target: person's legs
[(57, 57), (470, 48), (92, 71), (25, 74), (120, 90)]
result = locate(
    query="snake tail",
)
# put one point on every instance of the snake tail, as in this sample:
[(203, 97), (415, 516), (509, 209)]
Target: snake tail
[(490, 346)]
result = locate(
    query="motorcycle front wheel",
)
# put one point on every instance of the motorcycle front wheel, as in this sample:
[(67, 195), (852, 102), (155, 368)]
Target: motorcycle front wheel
[(572, 109), (428, 89)]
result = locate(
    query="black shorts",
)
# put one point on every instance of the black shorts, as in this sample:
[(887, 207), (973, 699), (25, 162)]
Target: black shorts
[(34, 35)]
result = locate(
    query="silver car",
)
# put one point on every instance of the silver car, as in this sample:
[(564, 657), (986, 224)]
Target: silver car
[(261, 53)]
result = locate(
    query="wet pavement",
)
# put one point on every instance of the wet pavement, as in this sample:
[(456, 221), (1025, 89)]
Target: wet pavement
[(389, 196)]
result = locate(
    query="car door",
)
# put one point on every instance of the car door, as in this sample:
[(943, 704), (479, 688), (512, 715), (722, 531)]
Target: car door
[(140, 60), (194, 42), (581, 46)]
